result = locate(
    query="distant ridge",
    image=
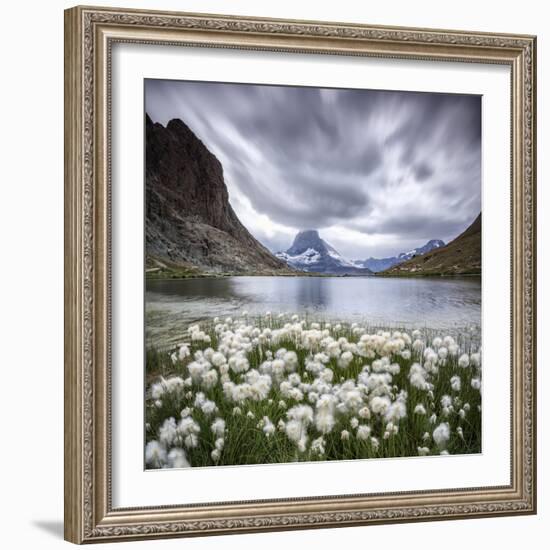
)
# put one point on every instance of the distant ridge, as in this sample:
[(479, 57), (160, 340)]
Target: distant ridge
[(462, 256), (381, 264)]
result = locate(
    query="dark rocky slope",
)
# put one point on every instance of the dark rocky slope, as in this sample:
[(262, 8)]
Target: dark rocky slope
[(462, 256), (189, 221)]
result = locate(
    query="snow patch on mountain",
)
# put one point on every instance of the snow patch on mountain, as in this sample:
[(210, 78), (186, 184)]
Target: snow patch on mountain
[(308, 257)]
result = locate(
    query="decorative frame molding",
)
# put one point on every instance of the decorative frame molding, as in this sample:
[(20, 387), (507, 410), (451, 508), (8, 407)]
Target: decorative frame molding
[(89, 35)]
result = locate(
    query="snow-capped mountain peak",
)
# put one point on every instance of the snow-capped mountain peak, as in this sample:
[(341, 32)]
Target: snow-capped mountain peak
[(309, 252)]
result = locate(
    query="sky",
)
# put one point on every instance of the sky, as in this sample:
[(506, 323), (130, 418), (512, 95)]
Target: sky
[(375, 172)]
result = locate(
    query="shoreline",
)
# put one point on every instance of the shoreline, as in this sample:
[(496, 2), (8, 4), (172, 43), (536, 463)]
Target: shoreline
[(313, 275)]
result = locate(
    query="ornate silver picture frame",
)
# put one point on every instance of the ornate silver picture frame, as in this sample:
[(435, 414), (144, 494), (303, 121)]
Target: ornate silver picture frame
[(90, 34)]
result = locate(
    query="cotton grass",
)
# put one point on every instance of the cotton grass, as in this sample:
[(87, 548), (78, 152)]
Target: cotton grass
[(283, 388)]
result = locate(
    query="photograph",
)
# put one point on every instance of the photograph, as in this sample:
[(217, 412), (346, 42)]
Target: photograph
[(312, 274)]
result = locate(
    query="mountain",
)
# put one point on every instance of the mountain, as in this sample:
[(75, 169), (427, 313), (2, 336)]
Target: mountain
[(190, 224), (462, 256), (381, 264), (312, 254)]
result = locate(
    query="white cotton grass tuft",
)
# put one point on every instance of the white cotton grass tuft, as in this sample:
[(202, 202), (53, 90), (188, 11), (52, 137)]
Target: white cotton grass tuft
[(380, 404), (188, 430), (364, 413), (218, 359), (168, 432), (183, 352), (218, 427), (301, 413), (418, 346), (155, 454), (345, 359), (318, 446), (157, 390), (177, 458), (475, 359), (324, 413), (297, 433), (396, 411), (216, 455), (191, 441), (418, 377), (446, 401), (442, 434), (269, 427), (209, 379), (456, 384), (453, 349), (448, 340), (363, 432), (208, 407), (464, 361)]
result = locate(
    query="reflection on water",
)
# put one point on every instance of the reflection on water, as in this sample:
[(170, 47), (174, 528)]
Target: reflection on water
[(313, 294), (436, 303)]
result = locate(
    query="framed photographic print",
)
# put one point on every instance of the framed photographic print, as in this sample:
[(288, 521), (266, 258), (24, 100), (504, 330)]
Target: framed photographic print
[(300, 274)]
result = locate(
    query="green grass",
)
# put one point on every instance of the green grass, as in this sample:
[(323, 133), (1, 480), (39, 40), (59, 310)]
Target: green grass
[(174, 273), (428, 274)]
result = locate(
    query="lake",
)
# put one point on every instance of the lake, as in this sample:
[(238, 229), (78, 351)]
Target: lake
[(448, 304)]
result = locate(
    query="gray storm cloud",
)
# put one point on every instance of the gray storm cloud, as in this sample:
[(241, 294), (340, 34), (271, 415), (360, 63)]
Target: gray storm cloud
[(377, 172)]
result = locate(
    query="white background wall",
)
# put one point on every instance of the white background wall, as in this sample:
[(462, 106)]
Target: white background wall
[(31, 289)]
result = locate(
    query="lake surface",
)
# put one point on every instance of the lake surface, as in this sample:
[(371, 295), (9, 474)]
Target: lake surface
[(435, 303)]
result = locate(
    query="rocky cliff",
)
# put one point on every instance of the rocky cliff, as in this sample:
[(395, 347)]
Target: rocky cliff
[(462, 256), (189, 221)]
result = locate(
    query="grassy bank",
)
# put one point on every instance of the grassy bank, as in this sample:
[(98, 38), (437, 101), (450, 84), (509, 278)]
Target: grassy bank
[(447, 275), (173, 273), (167, 273)]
